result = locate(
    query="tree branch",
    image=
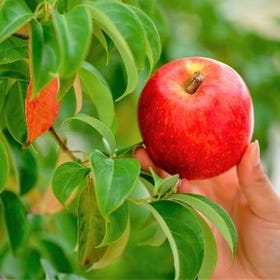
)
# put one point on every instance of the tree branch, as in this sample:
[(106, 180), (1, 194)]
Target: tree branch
[(21, 36), (61, 144)]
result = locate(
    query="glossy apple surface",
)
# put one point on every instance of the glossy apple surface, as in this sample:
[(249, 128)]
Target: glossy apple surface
[(195, 117)]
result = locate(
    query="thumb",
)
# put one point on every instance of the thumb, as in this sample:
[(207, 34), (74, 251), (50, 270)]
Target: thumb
[(255, 185)]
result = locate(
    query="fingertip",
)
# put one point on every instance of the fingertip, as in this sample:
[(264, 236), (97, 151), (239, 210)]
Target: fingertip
[(254, 183), (141, 154), (250, 169), (249, 161), (138, 151), (146, 162), (254, 154), (182, 186)]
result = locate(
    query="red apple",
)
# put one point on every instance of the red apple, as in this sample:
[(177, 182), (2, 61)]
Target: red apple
[(196, 117)]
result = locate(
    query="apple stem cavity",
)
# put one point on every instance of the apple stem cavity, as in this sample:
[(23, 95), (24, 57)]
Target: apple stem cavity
[(194, 83)]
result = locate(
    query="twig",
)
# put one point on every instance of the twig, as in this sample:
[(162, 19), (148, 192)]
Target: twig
[(62, 144), (21, 36)]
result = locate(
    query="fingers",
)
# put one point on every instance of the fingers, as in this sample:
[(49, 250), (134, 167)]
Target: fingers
[(143, 157), (146, 162), (221, 189), (255, 185), (186, 186)]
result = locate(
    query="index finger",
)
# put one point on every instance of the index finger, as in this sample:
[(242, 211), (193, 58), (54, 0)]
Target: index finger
[(146, 162)]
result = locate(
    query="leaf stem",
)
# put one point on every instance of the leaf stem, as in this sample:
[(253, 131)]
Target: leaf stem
[(140, 201), (61, 144)]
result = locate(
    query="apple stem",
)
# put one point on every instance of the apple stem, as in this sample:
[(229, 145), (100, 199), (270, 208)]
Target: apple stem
[(194, 83)]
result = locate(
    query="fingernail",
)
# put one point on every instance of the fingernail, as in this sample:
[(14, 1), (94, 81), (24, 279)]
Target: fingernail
[(255, 154)]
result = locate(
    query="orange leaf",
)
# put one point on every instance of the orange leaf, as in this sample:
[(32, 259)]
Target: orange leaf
[(42, 110)]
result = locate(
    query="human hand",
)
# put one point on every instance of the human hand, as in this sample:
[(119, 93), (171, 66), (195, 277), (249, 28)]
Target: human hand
[(248, 196)]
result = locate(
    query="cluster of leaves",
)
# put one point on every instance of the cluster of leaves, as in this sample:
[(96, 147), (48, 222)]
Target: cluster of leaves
[(48, 44)]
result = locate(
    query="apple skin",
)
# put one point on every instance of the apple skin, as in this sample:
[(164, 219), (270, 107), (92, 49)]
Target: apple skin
[(201, 134)]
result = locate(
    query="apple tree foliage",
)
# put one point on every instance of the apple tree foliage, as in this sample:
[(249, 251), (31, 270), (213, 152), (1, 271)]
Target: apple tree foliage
[(112, 219)]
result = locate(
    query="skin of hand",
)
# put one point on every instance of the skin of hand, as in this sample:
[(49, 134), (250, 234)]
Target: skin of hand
[(247, 194)]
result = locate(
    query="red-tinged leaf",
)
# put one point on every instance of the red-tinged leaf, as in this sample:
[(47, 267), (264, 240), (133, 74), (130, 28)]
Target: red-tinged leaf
[(42, 110)]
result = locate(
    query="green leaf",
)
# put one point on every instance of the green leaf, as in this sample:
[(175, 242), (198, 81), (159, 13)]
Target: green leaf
[(168, 184), (5, 84), (13, 49), (18, 70), (14, 112), (99, 34), (116, 225), (47, 154), (147, 181), (114, 250), (184, 234), (97, 89), (114, 179), (52, 274), (26, 166), (129, 38), (156, 178), (152, 39), (214, 213), (151, 234), (44, 54), (163, 185), (108, 137), (49, 270), (210, 251), (118, 13), (73, 34), (4, 166), (13, 15), (53, 252), (142, 191), (91, 228), (66, 178), (92, 254), (15, 219)]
